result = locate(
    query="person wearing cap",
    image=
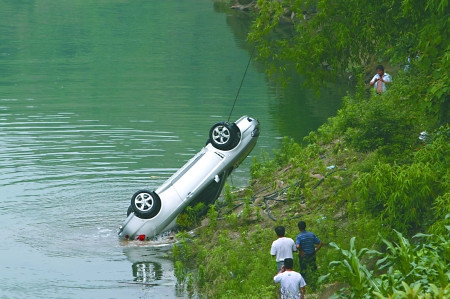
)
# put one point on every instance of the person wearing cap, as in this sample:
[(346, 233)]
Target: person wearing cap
[(292, 284), (282, 247)]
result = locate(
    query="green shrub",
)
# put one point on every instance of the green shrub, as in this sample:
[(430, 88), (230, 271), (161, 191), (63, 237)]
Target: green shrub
[(262, 168), (228, 196), (191, 216), (421, 270), (234, 267), (401, 195), (379, 124)]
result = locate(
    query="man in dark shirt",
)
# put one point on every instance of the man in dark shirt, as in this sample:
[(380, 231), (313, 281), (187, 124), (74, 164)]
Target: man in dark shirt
[(307, 245)]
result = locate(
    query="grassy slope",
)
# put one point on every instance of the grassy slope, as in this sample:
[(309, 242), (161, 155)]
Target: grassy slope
[(383, 179), (327, 184)]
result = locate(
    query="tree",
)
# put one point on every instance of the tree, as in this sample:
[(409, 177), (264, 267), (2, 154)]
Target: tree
[(332, 38)]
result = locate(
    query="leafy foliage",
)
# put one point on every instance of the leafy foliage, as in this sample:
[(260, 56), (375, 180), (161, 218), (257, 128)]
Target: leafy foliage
[(191, 216), (352, 271), (232, 268), (383, 178), (330, 39), (401, 195), (404, 270), (377, 123)]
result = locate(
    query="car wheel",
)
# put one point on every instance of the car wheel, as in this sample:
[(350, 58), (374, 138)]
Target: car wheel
[(224, 136), (145, 204)]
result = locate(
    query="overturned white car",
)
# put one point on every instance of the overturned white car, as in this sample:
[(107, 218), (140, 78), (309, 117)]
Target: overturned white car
[(201, 179)]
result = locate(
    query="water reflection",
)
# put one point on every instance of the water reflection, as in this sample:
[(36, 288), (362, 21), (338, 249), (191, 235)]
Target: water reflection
[(146, 272), (150, 262)]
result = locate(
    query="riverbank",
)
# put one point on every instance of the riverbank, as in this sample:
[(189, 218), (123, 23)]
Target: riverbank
[(358, 182), (330, 185), (363, 182), (367, 182), (234, 240)]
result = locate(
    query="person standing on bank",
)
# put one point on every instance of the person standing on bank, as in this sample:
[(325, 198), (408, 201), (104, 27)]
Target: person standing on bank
[(282, 247), (307, 244), (292, 283), (380, 80)]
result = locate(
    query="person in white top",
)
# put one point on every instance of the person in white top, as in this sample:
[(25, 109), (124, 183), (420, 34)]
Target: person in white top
[(292, 283), (380, 79), (282, 247)]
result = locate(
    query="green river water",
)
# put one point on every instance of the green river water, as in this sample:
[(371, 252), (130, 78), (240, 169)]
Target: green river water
[(101, 98)]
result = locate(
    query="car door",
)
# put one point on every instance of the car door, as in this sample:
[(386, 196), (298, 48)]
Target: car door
[(198, 175)]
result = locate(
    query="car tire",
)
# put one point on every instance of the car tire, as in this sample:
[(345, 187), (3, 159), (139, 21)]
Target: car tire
[(224, 136), (145, 204)]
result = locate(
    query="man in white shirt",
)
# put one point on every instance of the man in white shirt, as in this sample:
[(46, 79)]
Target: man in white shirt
[(380, 79), (282, 248), (292, 283)]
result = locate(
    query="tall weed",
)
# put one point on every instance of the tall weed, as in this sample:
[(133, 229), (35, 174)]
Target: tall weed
[(405, 270), (401, 195)]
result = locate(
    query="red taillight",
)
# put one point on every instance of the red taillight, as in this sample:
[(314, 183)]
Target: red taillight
[(141, 237)]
